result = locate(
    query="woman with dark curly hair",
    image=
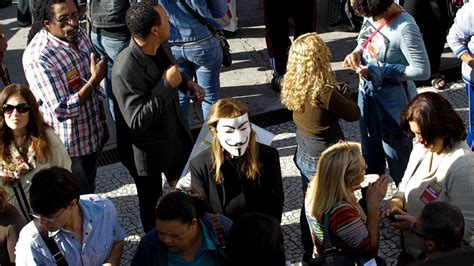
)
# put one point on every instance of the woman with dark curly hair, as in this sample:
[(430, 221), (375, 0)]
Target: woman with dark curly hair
[(390, 54), (27, 144), (441, 166)]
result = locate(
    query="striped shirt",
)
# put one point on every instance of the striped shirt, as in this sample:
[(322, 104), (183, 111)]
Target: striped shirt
[(348, 230), (55, 72)]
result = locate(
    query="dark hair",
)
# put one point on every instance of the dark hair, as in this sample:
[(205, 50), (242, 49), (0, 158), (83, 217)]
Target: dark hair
[(44, 11), (443, 224), (3, 199), (141, 17), (435, 117), (52, 189), (180, 206), (370, 8), (36, 127), (256, 239)]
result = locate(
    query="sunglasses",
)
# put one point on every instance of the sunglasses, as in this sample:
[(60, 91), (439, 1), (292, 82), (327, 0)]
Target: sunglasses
[(21, 108), (68, 18)]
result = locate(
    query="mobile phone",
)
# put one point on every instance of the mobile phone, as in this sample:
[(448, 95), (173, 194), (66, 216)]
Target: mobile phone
[(392, 218)]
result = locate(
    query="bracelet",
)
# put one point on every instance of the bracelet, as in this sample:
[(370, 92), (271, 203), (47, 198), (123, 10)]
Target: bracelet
[(90, 84)]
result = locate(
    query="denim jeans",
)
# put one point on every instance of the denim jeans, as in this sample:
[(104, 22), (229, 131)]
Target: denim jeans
[(306, 160), (109, 47), (203, 61), (84, 168), (470, 124), (382, 139)]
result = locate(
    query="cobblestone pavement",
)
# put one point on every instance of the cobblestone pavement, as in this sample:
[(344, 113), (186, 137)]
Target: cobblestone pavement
[(115, 181)]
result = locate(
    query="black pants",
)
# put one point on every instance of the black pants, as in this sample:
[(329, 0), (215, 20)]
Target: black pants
[(25, 11), (431, 16), (276, 14), (149, 190)]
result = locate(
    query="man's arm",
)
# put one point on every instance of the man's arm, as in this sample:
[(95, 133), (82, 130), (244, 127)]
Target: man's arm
[(115, 254), (141, 106)]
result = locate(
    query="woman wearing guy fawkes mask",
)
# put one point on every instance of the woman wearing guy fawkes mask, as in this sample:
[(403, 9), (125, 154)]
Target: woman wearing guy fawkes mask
[(237, 174)]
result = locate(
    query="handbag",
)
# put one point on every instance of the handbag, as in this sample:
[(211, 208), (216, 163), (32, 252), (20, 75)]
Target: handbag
[(333, 256), (219, 34), (330, 254)]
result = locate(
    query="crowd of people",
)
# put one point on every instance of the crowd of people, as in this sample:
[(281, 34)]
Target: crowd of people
[(154, 58)]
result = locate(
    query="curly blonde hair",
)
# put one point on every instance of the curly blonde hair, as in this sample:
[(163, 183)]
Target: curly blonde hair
[(308, 70)]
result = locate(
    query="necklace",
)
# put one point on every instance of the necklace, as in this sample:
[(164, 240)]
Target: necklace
[(23, 147)]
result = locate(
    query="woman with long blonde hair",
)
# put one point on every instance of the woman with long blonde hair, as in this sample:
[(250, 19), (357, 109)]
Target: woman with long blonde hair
[(237, 174), (341, 169), (310, 90), (27, 144)]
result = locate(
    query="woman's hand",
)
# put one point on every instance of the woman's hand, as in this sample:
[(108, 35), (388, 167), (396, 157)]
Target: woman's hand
[(363, 72), (376, 191), (352, 60), (401, 220)]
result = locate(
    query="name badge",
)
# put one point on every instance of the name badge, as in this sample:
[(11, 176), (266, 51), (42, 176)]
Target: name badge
[(73, 80), (431, 192)]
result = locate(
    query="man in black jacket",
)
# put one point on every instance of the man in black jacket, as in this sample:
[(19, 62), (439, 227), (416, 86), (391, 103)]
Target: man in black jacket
[(153, 136)]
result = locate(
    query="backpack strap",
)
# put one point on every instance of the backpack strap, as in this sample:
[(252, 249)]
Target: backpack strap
[(218, 230), (58, 255)]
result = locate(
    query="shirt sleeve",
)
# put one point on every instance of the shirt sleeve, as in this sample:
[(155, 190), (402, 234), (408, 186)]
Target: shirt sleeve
[(460, 191), (25, 252), (343, 106), (461, 31), (413, 49), (119, 233), (347, 225), (51, 91)]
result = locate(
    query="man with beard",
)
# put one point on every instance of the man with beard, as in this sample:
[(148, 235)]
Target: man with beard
[(64, 76)]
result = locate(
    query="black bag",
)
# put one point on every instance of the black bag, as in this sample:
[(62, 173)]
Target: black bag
[(226, 55), (335, 257)]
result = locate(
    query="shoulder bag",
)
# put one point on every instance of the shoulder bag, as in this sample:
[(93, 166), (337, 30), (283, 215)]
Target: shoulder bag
[(58, 255), (226, 55), (333, 256)]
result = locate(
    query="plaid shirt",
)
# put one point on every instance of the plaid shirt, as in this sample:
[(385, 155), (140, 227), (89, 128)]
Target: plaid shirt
[(55, 72)]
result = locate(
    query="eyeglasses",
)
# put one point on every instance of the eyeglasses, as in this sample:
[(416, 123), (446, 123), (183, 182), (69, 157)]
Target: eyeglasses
[(22, 108), (67, 19), (47, 219), (416, 232)]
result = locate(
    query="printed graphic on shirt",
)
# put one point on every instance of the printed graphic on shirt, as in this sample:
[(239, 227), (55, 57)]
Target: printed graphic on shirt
[(73, 80), (431, 192), (377, 47)]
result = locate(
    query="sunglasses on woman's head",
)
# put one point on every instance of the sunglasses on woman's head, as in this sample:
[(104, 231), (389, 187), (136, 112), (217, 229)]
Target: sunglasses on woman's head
[(22, 108)]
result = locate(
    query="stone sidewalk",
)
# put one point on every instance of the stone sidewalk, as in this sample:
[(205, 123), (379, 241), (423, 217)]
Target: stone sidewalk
[(115, 181)]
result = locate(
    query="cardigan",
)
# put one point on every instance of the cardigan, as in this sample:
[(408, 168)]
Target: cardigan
[(453, 178)]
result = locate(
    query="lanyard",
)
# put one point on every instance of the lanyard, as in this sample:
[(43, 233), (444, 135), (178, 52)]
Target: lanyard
[(380, 27)]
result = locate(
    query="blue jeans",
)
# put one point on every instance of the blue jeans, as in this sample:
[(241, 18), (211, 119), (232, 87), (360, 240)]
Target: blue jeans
[(203, 61), (470, 124), (84, 168), (109, 47), (382, 139), (306, 160)]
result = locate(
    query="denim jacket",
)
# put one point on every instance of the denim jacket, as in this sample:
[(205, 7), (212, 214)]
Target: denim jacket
[(184, 27), (385, 86)]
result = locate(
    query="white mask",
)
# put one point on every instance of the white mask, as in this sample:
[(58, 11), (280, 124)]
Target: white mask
[(234, 134)]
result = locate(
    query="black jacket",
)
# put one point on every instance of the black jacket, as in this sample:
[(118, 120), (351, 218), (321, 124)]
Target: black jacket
[(108, 13), (264, 195), (153, 135)]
